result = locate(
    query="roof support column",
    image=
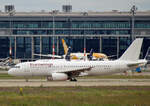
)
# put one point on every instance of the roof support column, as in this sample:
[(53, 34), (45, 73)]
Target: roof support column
[(15, 47), (118, 39), (100, 40), (57, 45), (32, 44), (40, 46)]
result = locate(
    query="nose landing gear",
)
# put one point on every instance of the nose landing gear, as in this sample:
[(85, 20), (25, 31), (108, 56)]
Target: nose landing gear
[(73, 79), (49, 78)]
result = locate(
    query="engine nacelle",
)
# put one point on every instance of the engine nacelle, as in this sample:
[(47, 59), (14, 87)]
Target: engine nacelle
[(59, 76), (83, 74)]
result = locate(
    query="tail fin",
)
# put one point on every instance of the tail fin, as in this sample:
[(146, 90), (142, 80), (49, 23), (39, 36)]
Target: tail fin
[(67, 57), (65, 46), (90, 56), (133, 52)]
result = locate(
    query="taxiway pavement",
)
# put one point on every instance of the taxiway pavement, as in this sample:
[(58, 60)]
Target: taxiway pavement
[(80, 82)]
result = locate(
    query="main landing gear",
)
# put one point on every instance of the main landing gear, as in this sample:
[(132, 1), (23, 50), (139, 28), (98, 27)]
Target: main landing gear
[(27, 80)]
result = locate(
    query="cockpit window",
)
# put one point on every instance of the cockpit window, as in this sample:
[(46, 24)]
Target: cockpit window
[(15, 67)]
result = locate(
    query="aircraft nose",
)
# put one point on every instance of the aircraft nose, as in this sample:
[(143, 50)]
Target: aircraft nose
[(10, 72)]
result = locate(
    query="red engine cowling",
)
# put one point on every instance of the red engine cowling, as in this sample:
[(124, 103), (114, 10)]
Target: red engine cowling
[(59, 76)]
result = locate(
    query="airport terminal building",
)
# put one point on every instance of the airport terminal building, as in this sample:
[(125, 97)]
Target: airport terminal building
[(107, 32)]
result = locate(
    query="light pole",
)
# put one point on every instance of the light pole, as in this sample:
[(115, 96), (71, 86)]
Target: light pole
[(85, 14), (11, 14), (69, 25), (53, 13), (133, 10)]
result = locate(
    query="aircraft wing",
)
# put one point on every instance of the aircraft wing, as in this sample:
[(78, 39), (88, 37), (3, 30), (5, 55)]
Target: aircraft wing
[(112, 56), (76, 71), (48, 55)]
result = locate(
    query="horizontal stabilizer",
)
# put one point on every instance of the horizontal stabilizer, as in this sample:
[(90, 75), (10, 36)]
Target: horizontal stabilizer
[(133, 65), (137, 64)]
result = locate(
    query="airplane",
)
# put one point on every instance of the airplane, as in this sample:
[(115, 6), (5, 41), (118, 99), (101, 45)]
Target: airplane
[(81, 55), (147, 66), (67, 69), (75, 56)]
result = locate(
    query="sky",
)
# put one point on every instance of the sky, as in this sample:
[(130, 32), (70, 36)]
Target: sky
[(78, 5)]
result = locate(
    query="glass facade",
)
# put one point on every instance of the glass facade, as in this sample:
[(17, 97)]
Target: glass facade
[(142, 24), (123, 44), (93, 44), (4, 47), (76, 24), (102, 35), (74, 28), (23, 47), (109, 46)]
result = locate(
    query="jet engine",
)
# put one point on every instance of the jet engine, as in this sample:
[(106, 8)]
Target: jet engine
[(59, 76)]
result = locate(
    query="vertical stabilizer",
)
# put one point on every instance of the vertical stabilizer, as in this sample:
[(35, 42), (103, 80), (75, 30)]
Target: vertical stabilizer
[(133, 52), (65, 46), (90, 56)]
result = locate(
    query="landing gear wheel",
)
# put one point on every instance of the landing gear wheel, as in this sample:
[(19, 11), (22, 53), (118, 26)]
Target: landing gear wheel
[(73, 79), (27, 80), (49, 78)]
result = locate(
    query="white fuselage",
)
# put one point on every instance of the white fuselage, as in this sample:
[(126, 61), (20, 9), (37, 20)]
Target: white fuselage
[(62, 70), (47, 67)]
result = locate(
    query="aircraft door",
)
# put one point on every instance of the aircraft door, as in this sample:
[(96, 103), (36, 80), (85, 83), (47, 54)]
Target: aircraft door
[(27, 70)]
